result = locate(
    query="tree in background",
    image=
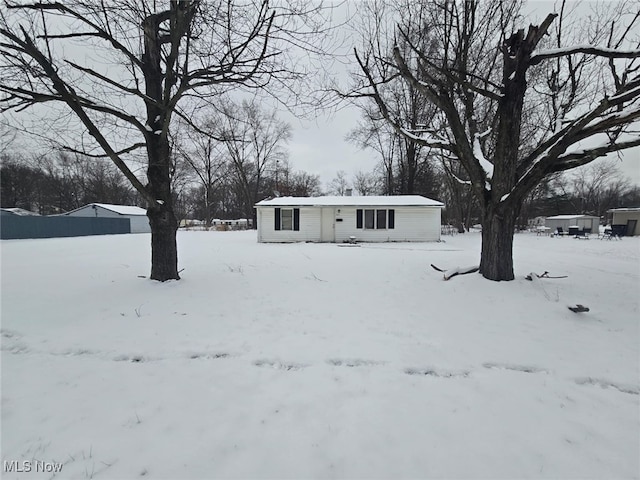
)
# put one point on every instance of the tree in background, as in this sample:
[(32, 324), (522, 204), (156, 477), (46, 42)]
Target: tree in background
[(207, 160), (513, 106), (59, 182), (408, 163), (339, 184), (157, 61), (366, 183), (254, 141)]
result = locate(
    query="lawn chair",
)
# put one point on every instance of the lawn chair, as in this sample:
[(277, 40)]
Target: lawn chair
[(560, 232), (574, 232), (618, 231)]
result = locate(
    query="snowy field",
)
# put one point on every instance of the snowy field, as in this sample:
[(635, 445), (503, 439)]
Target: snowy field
[(319, 360)]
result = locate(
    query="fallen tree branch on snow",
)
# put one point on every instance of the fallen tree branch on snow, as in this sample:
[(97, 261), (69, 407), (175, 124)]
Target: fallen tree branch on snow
[(455, 271), (543, 275)]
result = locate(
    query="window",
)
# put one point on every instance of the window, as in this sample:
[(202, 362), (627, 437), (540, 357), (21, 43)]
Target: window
[(368, 219), (378, 219), (287, 219), (381, 219)]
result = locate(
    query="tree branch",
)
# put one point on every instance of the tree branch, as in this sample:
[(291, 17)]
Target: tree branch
[(541, 55)]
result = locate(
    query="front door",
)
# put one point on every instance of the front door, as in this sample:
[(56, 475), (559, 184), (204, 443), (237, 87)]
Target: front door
[(328, 225)]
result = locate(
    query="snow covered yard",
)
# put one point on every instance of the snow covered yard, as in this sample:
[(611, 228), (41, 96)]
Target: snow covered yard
[(319, 361)]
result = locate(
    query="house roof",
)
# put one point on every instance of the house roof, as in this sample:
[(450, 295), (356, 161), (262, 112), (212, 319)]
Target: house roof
[(120, 209), (348, 201), (630, 209), (570, 217), (20, 211)]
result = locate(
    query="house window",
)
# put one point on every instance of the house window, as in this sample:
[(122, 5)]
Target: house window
[(375, 219), (287, 219), (369, 217), (381, 219)]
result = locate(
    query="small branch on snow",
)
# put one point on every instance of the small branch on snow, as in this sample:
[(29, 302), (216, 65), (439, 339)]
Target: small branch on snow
[(456, 271), (543, 275)]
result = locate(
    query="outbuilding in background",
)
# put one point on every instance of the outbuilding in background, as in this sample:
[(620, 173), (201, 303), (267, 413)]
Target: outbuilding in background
[(136, 215), (566, 221), (400, 218), (629, 217)]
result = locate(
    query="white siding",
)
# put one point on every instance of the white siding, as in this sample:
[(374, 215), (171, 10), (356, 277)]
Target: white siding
[(621, 218), (565, 223), (310, 226), (412, 224)]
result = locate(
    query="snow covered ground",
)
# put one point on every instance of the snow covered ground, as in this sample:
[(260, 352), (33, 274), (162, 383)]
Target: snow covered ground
[(319, 360)]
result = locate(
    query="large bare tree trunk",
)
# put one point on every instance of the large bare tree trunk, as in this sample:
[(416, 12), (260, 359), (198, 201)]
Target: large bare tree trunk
[(496, 259), (164, 250), (162, 219)]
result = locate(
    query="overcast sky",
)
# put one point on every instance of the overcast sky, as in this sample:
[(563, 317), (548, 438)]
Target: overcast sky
[(319, 146)]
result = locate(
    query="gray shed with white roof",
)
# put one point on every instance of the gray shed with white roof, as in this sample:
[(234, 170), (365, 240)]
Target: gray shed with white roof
[(566, 221), (401, 218), (137, 216)]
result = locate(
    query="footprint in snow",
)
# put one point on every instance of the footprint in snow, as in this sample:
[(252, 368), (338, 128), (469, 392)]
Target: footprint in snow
[(515, 368), (351, 362), (132, 358), (629, 389), (278, 365), (208, 356), (431, 372)]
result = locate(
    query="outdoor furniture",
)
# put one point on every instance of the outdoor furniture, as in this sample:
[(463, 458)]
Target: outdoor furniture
[(609, 233), (574, 231), (618, 230), (560, 231), (542, 230)]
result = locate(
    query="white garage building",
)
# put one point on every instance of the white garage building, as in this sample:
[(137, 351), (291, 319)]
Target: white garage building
[(401, 218), (136, 215), (566, 221)]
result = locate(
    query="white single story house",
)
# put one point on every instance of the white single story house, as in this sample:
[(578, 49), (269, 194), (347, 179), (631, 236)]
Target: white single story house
[(566, 221), (626, 216), (137, 216), (401, 218)]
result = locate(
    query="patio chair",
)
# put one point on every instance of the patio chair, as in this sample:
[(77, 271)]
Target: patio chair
[(618, 230), (560, 231), (574, 232)]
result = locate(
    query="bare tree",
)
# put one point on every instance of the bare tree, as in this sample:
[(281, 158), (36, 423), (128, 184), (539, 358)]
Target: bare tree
[(254, 140), (287, 182), (207, 159), (492, 86), (157, 60), (339, 185), (366, 183), (406, 102), (381, 138), (596, 187)]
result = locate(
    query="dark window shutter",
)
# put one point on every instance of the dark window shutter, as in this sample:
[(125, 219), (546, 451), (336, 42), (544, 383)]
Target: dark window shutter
[(277, 216), (359, 218), (392, 218), (296, 219)]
